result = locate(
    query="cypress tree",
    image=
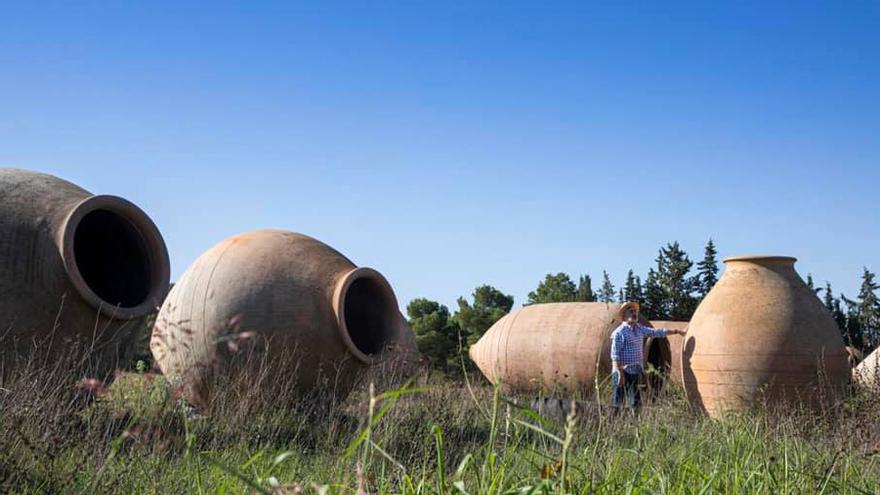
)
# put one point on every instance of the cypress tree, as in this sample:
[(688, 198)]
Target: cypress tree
[(585, 290), (854, 335), (851, 336), (653, 308), (868, 312), (828, 298), (632, 289), (673, 265), (833, 305), (707, 270), (606, 293)]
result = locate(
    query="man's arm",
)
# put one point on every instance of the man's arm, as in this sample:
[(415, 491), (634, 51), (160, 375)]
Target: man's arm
[(616, 344), (660, 332)]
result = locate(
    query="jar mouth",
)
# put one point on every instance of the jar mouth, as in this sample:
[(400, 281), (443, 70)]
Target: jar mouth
[(763, 259), (115, 257), (367, 314)]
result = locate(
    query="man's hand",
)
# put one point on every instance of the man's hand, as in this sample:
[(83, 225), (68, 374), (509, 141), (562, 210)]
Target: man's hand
[(682, 331), (621, 378)]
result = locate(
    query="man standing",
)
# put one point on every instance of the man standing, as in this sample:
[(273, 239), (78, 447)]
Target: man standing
[(627, 342)]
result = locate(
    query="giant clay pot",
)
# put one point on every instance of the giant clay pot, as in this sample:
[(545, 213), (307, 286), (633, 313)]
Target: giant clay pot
[(75, 269), (761, 333), (867, 372), (549, 348), (675, 346), (319, 319)]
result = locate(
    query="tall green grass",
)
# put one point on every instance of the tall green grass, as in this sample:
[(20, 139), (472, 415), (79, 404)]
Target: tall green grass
[(425, 436)]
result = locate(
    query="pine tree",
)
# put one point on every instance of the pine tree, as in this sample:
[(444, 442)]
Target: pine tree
[(554, 288), (585, 290), (606, 293), (833, 305), (673, 265), (653, 307), (851, 336), (863, 314), (632, 289), (436, 335), (868, 309), (707, 270), (489, 305), (854, 334), (620, 296), (811, 284)]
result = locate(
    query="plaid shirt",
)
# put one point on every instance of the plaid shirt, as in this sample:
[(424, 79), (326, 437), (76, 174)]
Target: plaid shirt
[(627, 344)]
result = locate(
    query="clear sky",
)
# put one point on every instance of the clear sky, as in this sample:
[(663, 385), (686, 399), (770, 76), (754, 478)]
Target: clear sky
[(449, 144)]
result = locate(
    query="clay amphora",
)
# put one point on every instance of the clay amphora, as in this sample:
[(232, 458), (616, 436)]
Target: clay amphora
[(867, 372), (314, 319), (761, 334), (78, 272), (551, 348)]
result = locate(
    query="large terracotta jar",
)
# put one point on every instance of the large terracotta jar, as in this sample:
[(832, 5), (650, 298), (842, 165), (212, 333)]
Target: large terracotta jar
[(78, 273), (761, 334), (288, 304), (552, 348), (867, 372)]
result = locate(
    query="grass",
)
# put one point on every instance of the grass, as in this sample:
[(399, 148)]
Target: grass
[(430, 435)]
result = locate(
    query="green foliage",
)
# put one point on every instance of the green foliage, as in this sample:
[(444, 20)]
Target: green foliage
[(707, 270), (554, 288), (436, 333), (867, 309), (606, 293), (654, 307), (832, 304), (442, 338), (862, 322), (632, 289), (428, 439), (677, 288), (489, 306), (585, 290)]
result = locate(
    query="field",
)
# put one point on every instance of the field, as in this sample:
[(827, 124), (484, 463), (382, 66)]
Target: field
[(427, 435)]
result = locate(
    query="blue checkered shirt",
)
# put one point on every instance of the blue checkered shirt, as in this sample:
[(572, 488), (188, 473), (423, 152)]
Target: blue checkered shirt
[(627, 344)]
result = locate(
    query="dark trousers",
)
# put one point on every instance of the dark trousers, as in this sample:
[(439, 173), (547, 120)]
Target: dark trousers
[(629, 391)]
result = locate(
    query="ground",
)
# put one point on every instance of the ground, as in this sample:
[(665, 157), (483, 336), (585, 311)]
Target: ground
[(430, 435)]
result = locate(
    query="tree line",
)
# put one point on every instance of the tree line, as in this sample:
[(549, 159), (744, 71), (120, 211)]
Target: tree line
[(671, 290)]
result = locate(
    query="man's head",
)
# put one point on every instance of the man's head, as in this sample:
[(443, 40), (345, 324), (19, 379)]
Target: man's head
[(629, 312)]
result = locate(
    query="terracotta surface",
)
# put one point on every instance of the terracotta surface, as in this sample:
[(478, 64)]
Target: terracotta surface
[(761, 332), (549, 348), (309, 309), (89, 266), (867, 373), (675, 346)]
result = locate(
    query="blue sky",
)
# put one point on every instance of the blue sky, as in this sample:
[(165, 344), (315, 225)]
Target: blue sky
[(453, 144)]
